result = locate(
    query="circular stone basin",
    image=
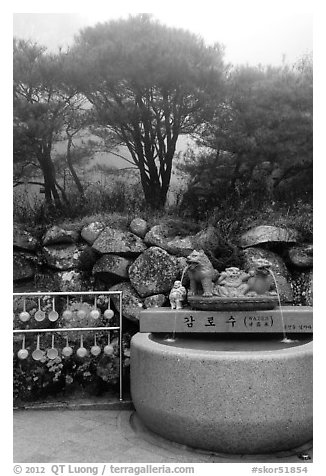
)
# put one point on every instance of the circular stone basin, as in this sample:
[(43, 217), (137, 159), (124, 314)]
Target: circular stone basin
[(240, 395)]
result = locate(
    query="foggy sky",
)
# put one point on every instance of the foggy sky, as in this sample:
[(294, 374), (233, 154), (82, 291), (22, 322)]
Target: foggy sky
[(265, 35)]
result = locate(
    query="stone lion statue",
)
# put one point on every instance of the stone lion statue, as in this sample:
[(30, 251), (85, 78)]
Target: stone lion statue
[(200, 271)]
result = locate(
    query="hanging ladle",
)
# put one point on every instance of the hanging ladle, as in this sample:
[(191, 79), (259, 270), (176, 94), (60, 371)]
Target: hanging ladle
[(67, 314), (95, 313), (53, 315), (53, 352), (95, 349), (39, 315), (22, 354), (81, 314), (108, 349), (24, 316), (81, 352), (67, 350), (38, 353), (108, 313)]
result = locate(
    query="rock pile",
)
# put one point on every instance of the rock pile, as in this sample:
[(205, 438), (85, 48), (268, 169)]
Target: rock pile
[(144, 262), (291, 261)]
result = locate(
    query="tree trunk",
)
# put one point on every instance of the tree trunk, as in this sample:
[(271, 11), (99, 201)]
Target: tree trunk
[(157, 182), (155, 190), (155, 197), (63, 194), (72, 170), (51, 194)]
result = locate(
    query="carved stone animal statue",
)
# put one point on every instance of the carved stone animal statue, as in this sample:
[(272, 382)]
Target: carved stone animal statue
[(200, 272), (233, 282), (177, 295)]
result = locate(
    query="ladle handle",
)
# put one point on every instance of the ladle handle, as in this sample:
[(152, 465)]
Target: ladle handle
[(53, 303), (52, 341), (24, 305), (23, 344), (38, 342)]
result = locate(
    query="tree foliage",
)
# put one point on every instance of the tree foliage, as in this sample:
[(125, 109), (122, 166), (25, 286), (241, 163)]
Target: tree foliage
[(260, 139), (148, 84), (141, 84), (45, 110)]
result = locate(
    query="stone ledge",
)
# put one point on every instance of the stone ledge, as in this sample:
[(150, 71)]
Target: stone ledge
[(296, 319)]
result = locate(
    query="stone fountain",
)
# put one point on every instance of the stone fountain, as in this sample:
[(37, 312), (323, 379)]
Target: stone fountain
[(229, 373)]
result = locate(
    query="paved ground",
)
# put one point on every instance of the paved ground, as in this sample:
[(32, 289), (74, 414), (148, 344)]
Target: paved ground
[(107, 436)]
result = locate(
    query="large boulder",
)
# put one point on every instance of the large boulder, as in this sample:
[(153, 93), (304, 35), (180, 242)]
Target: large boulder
[(87, 259), (90, 232), (62, 257), (252, 255), (307, 290), (157, 300), (139, 227), (182, 266), (302, 285), (118, 242), (162, 236), (132, 304), (301, 255), (277, 266), (268, 234), (208, 240), (221, 253), (56, 235), (153, 272), (22, 239), (24, 266), (180, 246), (113, 265)]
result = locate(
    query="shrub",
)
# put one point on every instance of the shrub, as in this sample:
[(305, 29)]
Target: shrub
[(233, 220), (119, 197)]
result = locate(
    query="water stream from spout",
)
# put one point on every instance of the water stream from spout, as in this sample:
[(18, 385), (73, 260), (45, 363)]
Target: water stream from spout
[(172, 338), (285, 339), (183, 273)]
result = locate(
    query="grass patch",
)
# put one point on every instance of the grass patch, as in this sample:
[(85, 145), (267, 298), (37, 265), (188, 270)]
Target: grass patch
[(117, 205), (232, 222)]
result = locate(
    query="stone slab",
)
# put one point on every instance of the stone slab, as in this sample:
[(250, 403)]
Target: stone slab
[(296, 320), (113, 430)]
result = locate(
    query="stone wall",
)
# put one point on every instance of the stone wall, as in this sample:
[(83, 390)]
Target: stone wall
[(144, 262)]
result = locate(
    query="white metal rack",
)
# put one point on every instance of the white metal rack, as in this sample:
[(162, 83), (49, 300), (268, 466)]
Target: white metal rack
[(71, 329)]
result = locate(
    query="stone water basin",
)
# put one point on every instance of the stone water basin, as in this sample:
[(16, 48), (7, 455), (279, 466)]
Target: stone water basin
[(226, 394)]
